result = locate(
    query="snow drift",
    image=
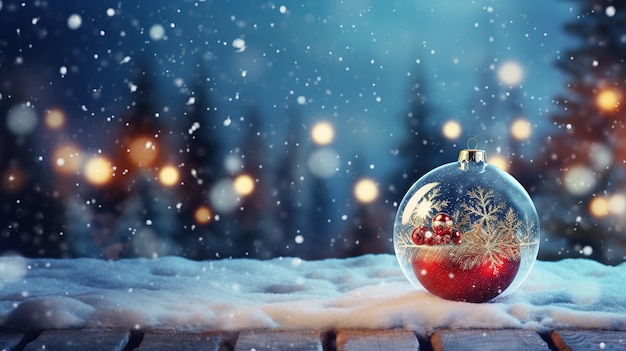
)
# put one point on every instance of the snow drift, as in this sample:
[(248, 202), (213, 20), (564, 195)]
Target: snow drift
[(363, 292)]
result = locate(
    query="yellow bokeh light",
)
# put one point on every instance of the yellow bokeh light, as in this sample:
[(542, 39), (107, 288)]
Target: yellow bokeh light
[(243, 185), (169, 175), (142, 151), (202, 215), (617, 204), (521, 129), (608, 100), (599, 207), (55, 119), (98, 170), (67, 158), (499, 161), (510, 73), (366, 190), (322, 133), (451, 129)]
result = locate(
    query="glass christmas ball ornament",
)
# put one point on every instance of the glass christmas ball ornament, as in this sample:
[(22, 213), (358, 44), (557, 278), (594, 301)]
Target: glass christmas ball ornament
[(467, 230)]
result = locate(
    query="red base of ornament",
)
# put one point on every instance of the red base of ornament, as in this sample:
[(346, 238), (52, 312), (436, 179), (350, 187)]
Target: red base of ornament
[(480, 284)]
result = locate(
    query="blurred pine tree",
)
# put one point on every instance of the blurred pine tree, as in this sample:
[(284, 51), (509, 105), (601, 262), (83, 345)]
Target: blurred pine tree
[(584, 163)]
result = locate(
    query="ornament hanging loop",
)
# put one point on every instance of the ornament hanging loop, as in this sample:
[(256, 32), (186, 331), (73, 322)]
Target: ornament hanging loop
[(472, 157), (474, 141)]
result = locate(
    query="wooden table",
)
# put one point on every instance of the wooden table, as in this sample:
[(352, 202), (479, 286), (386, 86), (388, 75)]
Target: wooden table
[(152, 340)]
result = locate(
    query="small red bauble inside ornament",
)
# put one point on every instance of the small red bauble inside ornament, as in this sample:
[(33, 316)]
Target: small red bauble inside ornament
[(442, 223), (448, 279), (456, 236), (430, 241), (418, 235), (444, 238)]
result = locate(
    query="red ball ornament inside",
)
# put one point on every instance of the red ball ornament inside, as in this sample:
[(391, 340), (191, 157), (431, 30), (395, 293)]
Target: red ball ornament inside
[(442, 223), (466, 231)]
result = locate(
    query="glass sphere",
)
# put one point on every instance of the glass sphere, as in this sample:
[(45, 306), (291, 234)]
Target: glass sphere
[(466, 231)]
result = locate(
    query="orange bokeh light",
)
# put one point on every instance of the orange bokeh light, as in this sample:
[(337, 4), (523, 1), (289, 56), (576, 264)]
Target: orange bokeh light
[(67, 158), (169, 175), (599, 207), (202, 215), (142, 151), (608, 100), (243, 185), (55, 119), (98, 170), (13, 179)]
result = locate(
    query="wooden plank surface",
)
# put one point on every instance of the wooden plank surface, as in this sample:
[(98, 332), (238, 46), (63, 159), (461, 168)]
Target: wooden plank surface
[(279, 340), (160, 340), (80, 340), (9, 338), (371, 340), (346, 340), (574, 340), (485, 340)]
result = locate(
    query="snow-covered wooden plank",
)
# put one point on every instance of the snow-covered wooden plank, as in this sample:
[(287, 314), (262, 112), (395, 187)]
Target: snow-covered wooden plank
[(574, 340), (79, 340), (9, 338), (161, 340), (487, 339), (370, 340), (279, 340)]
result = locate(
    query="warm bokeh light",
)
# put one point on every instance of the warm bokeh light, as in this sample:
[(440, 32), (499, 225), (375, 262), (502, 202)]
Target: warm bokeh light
[(599, 207), (322, 133), (451, 129), (498, 161), (67, 158), (142, 151), (13, 179), (365, 190), (98, 170), (521, 129), (617, 204), (243, 185), (55, 119), (202, 215), (510, 73), (608, 100), (169, 175)]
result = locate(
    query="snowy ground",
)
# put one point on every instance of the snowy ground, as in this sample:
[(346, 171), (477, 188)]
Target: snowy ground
[(363, 292)]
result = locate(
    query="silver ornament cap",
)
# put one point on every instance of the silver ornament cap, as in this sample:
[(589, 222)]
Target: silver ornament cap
[(471, 155)]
